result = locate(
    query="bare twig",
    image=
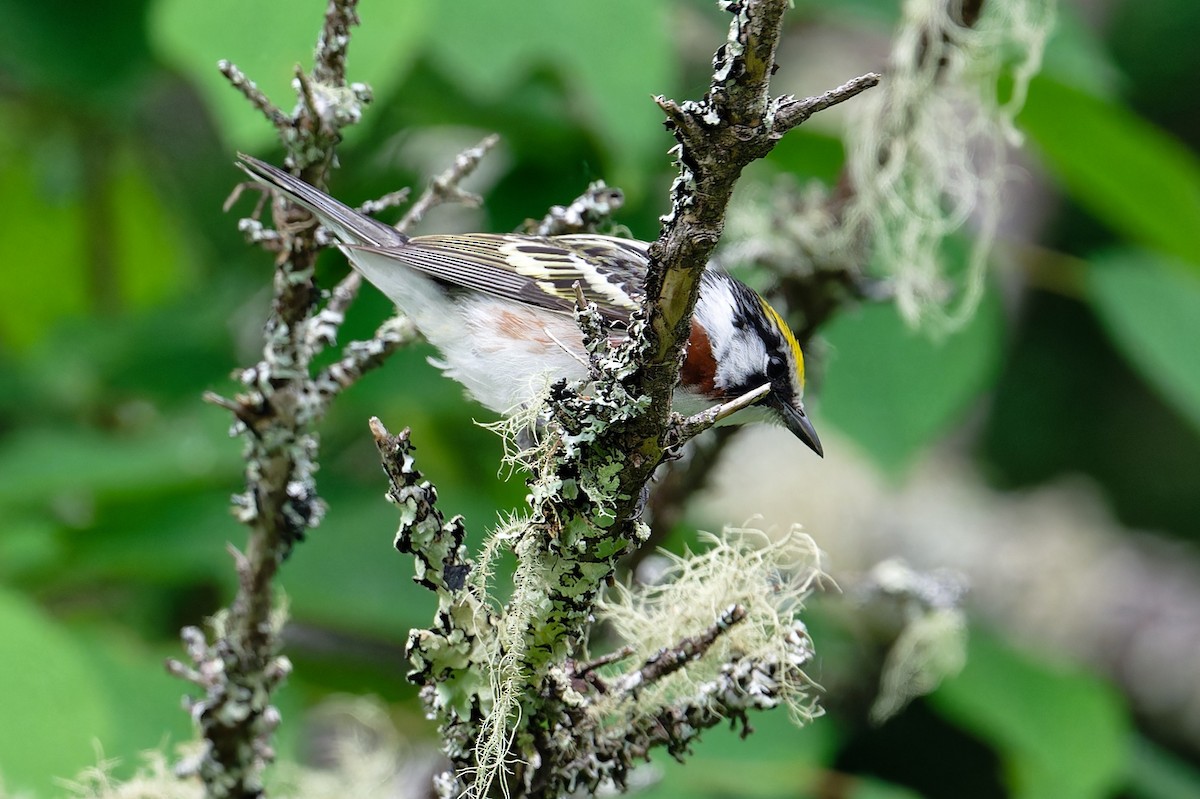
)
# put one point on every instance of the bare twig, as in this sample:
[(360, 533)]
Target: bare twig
[(792, 112), (389, 200), (673, 659), (684, 430), (616, 656), (362, 356), (445, 187), (255, 95), (583, 215)]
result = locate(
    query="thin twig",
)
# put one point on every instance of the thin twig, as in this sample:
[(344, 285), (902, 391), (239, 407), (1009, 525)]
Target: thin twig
[(670, 660), (791, 112), (363, 356), (330, 62), (596, 205), (312, 112), (389, 200), (616, 656), (255, 95), (685, 429), (445, 187)]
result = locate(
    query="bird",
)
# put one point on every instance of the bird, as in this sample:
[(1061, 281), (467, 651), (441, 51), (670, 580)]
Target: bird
[(498, 308)]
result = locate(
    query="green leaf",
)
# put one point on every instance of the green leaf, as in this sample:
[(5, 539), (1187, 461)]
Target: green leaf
[(133, 674), (866, 788), (1155, 773), (809, 155), (347, 576), (1136, 178), (69, 265), (75, 468), (42, 229), (54, 706), (1060, 732), (77, 49), (1077, 57), (267, 40), (893, 390), (614, 57), (783, 759), (1151, 308)]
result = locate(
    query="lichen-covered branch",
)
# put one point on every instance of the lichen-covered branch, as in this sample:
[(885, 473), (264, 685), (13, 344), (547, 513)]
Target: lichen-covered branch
[(446, 187), (452, 650), (517, 728), (237, 664), (596, 205), (666, 661), (916, 170)]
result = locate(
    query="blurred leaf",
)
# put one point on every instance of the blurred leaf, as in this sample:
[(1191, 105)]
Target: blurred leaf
[(1151, 308), (809, 154), (42, 229), (892, 389), (51, 46), (28, 545), (1076, 57), (1155, 773), (70, 266), (267, 40), (145, 698), (348, 576), (172, 539), (54, 706), (1061, 732), (71, 467), (1141, 182), (776, 760), (614, 56), (154, 259), (873, 789)]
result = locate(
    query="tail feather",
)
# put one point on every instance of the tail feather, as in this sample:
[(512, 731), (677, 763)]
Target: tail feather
[(348, 225)]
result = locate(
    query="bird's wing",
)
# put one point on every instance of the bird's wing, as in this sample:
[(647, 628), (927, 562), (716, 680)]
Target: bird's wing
[(537, 271)]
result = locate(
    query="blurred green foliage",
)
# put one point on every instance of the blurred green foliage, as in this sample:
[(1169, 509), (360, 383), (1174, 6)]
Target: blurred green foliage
[(127, 293)]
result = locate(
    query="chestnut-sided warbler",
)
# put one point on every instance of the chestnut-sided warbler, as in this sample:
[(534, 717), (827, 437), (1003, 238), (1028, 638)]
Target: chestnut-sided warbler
[(498, 308)]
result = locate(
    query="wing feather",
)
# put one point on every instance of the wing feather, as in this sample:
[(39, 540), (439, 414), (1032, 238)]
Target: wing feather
[(537, 271)]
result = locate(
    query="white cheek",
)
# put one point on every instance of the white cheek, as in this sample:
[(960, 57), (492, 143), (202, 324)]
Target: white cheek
[(743, 357), (741, 353)]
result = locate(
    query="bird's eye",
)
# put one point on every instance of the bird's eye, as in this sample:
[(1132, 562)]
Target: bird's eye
[(776, 367)]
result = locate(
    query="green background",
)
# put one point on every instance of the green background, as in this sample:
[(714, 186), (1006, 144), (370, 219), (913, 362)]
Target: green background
[(127, 292)]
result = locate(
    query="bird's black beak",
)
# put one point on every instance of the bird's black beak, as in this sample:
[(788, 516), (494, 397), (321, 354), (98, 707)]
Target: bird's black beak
[(797, 421)]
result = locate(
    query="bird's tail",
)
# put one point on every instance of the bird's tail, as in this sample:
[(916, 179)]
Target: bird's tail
[(350, 226)]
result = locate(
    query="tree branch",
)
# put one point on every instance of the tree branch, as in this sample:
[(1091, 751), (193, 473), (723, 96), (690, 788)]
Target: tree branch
[(583, 215), (792, 112), (598, 447), (237, 665)]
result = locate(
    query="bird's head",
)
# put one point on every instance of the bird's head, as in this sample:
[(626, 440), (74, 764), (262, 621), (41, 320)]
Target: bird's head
[(750, 345)]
